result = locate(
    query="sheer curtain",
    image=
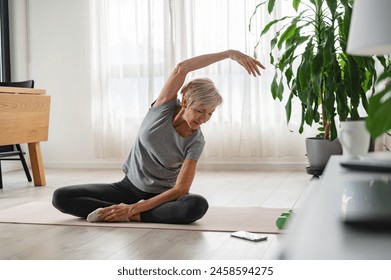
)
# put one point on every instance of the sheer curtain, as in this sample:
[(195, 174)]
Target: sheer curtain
[(136, 44)]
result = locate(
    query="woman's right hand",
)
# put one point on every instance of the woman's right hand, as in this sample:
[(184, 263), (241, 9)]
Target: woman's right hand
[(251, 65)]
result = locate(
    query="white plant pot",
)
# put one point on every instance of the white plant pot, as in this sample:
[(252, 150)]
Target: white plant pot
[(319, 151)]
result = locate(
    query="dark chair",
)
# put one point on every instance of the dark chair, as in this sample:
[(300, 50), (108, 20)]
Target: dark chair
[(14, 152)]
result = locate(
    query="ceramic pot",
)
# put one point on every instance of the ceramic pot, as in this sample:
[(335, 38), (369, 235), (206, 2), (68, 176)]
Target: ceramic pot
[(319, 151), (354, 137)]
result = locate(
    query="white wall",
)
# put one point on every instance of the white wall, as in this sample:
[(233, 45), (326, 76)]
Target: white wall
[(50, 44)]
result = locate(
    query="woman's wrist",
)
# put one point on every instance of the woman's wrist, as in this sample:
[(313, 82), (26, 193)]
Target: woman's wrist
[(229, 53)]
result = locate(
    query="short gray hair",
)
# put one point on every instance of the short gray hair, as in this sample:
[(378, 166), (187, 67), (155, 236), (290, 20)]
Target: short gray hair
[(201, 93)]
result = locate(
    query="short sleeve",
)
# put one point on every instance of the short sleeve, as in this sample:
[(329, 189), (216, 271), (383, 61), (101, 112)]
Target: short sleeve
[(195, 150)]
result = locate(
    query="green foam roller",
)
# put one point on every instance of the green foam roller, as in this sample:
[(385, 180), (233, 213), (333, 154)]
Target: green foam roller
[(287, 214), (280, 222)]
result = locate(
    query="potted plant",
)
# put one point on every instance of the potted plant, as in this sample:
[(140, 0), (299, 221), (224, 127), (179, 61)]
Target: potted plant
[(309, 55)]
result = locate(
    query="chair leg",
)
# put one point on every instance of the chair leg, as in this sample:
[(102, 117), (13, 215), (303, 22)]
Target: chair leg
[(1, 178), (25, 167)]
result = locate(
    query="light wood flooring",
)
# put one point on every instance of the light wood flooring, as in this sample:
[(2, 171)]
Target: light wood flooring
[(233, 188)]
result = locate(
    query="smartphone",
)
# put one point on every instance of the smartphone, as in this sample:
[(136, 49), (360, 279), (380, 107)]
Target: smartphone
[(249, 235)]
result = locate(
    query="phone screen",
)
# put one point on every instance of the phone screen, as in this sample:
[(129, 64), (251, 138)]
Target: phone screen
[(249, 235)]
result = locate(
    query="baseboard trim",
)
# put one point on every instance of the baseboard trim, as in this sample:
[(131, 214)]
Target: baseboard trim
[(264, 166), (205, 166)]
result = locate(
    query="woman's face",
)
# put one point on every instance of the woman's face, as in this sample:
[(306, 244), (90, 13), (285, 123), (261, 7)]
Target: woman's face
[(196, 117)]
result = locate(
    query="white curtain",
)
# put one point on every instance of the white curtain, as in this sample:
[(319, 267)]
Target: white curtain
[(136, 44)]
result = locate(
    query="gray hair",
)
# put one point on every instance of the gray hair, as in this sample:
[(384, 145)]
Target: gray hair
[(201, 93)]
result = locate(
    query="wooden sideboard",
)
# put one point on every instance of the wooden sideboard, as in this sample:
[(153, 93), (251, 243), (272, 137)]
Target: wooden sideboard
[(24, 118)]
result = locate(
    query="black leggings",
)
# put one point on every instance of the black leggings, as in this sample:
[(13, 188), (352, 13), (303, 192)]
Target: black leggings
[(81, 200)]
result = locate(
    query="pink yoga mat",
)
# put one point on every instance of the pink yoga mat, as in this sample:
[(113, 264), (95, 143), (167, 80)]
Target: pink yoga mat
[(221, 219)]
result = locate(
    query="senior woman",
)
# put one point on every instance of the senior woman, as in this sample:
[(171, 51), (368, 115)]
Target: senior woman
[(161, 165)]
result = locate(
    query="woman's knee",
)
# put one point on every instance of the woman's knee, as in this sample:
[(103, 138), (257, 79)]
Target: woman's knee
[(196, 206), (59, 198), (185, 210)]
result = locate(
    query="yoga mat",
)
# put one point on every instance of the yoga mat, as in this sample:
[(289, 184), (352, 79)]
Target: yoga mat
[(221, 219)]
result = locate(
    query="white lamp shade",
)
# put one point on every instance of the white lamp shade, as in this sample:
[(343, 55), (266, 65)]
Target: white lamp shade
[(370, 28)]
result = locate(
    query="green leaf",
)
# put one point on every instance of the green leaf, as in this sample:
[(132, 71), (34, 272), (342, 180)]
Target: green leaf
[(344, 28), (280, 89), (296, 4), (303, 95), (301, 128), (288, 107), (345, 2), (317, 4), (382, 60), (385, 75), (342, 103), (286, 58), (273, 43), (288, 33), (332, 4), (333, 130), (270, 6), (254, 13), (317, 62), (270, 24), (309, 116), (365, 102), (304, 69), (368, 66), (296, 40), (329, 45), (329, 100), (289, 74), (316, 112), (354, 72), (274, 86), (271, 58), (379, 118), (292, 30)]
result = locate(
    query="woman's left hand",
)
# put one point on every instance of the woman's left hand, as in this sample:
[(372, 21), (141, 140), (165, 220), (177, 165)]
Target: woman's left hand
[(250, 64), (117, 213)]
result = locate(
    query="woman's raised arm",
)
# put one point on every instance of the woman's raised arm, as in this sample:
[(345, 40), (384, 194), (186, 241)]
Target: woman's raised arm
[(178, 76)]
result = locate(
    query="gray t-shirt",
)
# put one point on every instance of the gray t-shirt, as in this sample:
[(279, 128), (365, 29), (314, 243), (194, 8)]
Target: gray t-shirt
[(157, 156)]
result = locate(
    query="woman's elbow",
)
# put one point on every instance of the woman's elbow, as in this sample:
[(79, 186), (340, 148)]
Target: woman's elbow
[(180, 191), (182, 68)]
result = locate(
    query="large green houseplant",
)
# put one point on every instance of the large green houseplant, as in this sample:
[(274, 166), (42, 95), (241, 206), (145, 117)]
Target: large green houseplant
[(309, 54)]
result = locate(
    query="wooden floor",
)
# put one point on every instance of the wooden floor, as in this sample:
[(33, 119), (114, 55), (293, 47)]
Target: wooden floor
[(42, 242)]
